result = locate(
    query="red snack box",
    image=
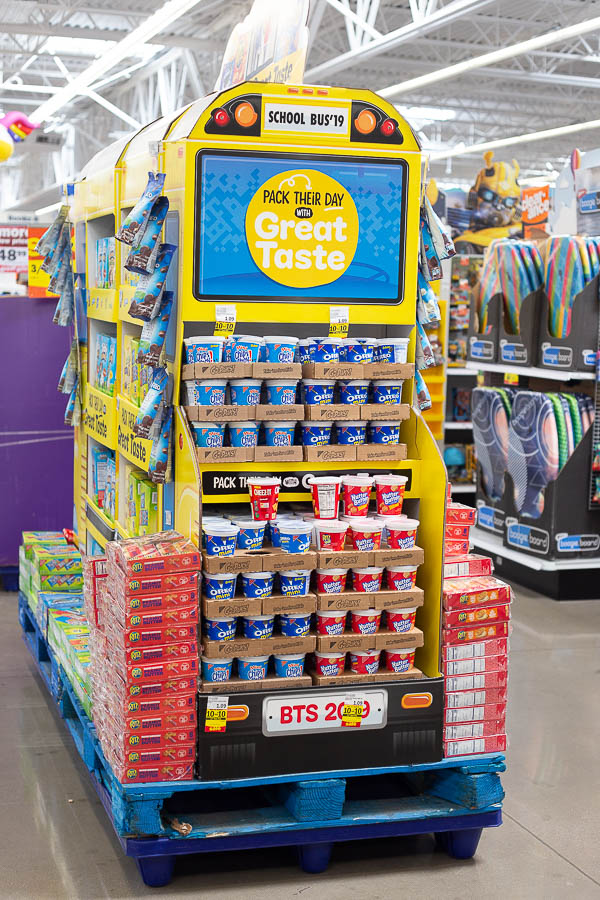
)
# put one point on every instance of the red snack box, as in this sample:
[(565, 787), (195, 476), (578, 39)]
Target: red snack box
[(485, 728), (477, 681), (154, 584), (162, 671), (160, 553), (123, 604), (493, 647), (457, 532), (151, 687), (493, 744), (144, 739), (468, 564), (148, 774), (180, 615), (154, 723), (128, 656), (455, 699), (154, 705), (485, 590), (485, 712), (455, 547), (159, 755), (459, 514), (474, 614), (95, 566), (475, 664), (144, 637), (475, 633)]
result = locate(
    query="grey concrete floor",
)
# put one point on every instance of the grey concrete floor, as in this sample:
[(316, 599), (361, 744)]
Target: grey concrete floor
[(56, 841)]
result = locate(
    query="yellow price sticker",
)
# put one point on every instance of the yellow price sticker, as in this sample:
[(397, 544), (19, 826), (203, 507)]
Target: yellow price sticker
[(511, 378), (339, 321), (216, 714), (352, 712), (225, 318)]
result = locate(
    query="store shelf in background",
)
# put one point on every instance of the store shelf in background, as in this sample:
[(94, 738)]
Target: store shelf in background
[(531, 371), (102, 304), (136, 450), (464, 489), (464, 426), (125, 297), (100, 416), (483, 540), (123, 533), (460, 370)]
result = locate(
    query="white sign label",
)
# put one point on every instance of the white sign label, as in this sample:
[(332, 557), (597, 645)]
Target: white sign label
[(301, 117), (305, 712)]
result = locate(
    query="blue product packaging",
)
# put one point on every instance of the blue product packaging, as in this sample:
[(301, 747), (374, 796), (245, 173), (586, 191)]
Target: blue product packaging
[(111, 365), (205, 393), (253, 668), (316, 434), (159, 468), (279, 349), (141, 254), (221, 538), (245, 392), (257, 584), (243, 434), (151, 403), (279, 434), (317, 392), (208, 434), (216, 669), (306, 351), (220, 629), (356, 392), (289, 665), (384, 432), (294, 536), (295, 625), (358, 350), (294, 583), (137, 219), (219, 586), (351, 432), (152, 339), (327, 349), (387, 391), (149, 288), (204, 349), (251, 534), (243, 348), (258, 627), (281, 393)]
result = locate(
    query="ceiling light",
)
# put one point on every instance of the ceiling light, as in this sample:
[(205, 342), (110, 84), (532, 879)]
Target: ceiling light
[(428, 113), (517, 139), (47, 209)]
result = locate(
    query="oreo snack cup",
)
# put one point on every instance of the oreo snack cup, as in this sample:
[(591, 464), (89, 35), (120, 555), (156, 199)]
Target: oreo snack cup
[(389, 493), (365, 533), (258, 627), (401, 578), (384, 432), (220, 586), (274, 528), (330, 534), (367, 579), (264, 496), (289, 665), (331, 621), (203, 349), (295, 625), (279, 349), (401, 620), (316, 434), (243, 434), (354, 392), (294, 535), (220, 538), (216, 669), (392, 350), (253, 668), (243, 348), (251, 534), (358, 350), (400, 659), (364, 662), (219, 629), (318, 392), (294, 583), (351, 432), (257, 584), (387, 391), (208, 434), (325, 490), (402, 535), (245, 391), (281, 393), (356, 494), (279, 434), (331, 581), (330, 663), (327, 349), (306, 350), (365, 621)]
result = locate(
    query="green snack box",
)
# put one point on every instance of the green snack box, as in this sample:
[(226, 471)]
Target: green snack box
[(147, 509)]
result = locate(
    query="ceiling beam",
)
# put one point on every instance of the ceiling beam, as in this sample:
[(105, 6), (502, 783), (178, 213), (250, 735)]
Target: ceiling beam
[(101, 34)]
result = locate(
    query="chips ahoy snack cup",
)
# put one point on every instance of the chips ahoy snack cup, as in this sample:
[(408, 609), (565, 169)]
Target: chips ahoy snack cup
[(401, 620), (264, 496), (402, 535), (253, 668), (243, 348), (220, 586), (331, 581), (356, 494), (365, 533), (216, 669), (330, 663), (220, 629), (281, 393), (399, 659), (245, 392), (279, 434), (257, 584), (210, 392), (258, 627), (295, 625), (243, 434), (208, 434), (325, 490), (364, 662), (389, 492), (220, 538), (365, 621), (367, 579), (332, 621), (279, 349), (330, 534), (289, 665), (204, 349)]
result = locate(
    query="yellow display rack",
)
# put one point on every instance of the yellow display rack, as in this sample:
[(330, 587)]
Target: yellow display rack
[(324, 135)]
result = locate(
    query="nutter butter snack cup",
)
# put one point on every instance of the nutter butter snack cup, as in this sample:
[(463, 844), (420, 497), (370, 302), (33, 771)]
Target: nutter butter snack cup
[(325, 490), (330, 663), (365, 621), (220, 538), (400, 659), (279, 349), (364, 662), (289, 665), (365, 533), (330, 534), (264, 496), (257, 584), (356, 494), (389, 492), (220, 586), (401, 620), (331, 581), (253, 668), (258, 627), (331, 622), (220, 629), (402, 536), (216, 669), (401, 578), (295, 625), (367, 579)]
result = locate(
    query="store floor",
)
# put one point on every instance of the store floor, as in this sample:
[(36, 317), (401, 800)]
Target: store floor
[(56, 841)]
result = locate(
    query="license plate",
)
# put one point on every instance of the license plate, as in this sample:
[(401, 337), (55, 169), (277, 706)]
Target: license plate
[(296, 713)]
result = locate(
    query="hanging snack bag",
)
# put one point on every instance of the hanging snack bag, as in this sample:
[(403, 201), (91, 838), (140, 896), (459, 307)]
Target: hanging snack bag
[(153, 335), (137, 219), (159, 467), (152, 401), (147, 296), (142, 253)]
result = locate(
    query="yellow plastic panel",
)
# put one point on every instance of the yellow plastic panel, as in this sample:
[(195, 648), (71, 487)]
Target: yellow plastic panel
[(100, 416), (187, 480), (102, 304), (135, 449)]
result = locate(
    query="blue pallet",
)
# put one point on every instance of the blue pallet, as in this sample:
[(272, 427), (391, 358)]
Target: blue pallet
[(453, 799), (9, 578)]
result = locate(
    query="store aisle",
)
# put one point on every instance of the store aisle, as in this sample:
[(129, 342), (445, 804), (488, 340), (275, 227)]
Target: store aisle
[(58, 843)]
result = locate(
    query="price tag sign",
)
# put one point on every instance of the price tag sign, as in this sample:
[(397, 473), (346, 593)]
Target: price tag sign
[(216, 714), (352, 712), (339, 321), (225, 316), (511, 378)]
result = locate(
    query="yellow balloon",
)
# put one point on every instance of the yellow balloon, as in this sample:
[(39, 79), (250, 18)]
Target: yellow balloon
[(432, 191), (6, 144)]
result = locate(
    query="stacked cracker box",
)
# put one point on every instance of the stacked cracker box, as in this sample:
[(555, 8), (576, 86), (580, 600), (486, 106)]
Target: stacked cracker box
[(145, 656), (475, 618)]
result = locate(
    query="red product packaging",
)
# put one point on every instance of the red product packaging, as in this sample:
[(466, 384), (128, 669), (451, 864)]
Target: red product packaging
[(364, 662), (173, 670), (365, 621), (145, 739), (485, 728), (457, 532), (474, 614), (150, 687), (330, 663), (367, 580), (389, 492), (476, 633), (155, 653), (325, 492), (454, 699), (179, 615), (158, 704), (331, 581), (365, 537), (493, 744), (156, 722), (264, 497), (477, 681), (475, 664), (156, 584), (493, 647), (160, 553), (167, 600), (179, 753), (455, 547), (484, 712), (146, 774), (145, 637), (484, 590), (459, 514), (468, 564), (356, 495)]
